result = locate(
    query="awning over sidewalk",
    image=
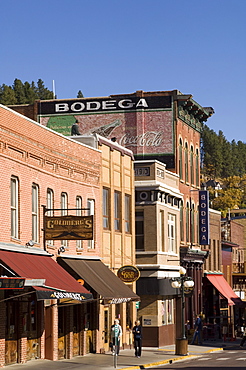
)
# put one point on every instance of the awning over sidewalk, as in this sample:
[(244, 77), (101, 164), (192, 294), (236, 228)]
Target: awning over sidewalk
[(59, 283), (220, 283), (100, 278)]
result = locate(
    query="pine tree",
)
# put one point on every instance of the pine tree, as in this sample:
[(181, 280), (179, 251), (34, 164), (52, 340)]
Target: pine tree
[(7, 95), (80, 94), (19, 91)]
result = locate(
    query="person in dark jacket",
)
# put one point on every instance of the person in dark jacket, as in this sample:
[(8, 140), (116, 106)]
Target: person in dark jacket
[(137, 336), (198, 329), (75, 129)]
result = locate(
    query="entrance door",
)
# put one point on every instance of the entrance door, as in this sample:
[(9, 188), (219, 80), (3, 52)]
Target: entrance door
[(33, 349), (11, 330), (61, 333), (106, 329)]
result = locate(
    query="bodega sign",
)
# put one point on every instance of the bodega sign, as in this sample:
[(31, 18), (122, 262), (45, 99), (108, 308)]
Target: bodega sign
[(103, 105), (203, 217)]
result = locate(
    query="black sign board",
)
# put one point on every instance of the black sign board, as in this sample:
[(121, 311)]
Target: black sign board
[(204, 217), (126, 103), (11, 283)]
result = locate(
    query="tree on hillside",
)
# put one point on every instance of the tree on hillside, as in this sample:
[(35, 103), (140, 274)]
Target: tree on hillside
[(25, 93), (7, 95), (80, 94), (219, 157)]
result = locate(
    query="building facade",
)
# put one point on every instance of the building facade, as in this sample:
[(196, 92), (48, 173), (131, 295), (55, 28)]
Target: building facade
[(45, 174), (157, 210), (163, 126)]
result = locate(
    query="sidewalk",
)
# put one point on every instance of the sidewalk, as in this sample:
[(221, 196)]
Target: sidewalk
[(126, 359)]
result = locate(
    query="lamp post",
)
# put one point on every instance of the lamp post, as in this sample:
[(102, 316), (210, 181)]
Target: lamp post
[(182, 282)]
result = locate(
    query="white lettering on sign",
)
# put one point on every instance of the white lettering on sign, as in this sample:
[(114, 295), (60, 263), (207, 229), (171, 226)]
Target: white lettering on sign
[(149, 138), (104, 105)]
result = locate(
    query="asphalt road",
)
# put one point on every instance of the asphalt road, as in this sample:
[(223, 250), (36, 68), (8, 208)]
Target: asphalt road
[(229, 359)]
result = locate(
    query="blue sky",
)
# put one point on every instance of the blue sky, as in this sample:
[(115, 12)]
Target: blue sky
[(105, 47)]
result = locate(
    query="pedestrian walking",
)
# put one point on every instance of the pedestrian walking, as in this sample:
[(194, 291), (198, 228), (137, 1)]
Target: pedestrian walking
[(244, 336), (137, 336), (197, 332), (116, 333)]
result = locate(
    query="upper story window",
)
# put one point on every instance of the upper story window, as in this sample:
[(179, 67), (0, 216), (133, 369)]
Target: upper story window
[(14, 188), (79, 213), (192, 223), (139, 227), (117, 211), (162, 228), (105, 208), (197, 168), (127, 213), (180, 159), (172, 233), (182, 220), (50, 202), (35, 213), (187, 222), (64, 207), (186, 163), (192, 165), (50, 206), (91, 212)]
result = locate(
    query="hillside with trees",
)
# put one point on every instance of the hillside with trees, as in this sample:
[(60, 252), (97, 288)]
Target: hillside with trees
[(24, 93), (224, 162)]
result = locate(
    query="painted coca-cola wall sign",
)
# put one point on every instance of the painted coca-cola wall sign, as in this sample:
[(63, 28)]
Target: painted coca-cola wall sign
[(143, 125)]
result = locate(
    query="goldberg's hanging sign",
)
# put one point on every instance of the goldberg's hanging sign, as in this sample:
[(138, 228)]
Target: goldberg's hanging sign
[(68, 228), (128, 273), (204, 217)]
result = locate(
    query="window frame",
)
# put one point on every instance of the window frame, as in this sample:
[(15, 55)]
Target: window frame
[(106, 209), (127, 213), (64, 212), (35, 213), (117, 211), (139, 238), (171, 233), (91, 212), (79, 203), (14, 207)]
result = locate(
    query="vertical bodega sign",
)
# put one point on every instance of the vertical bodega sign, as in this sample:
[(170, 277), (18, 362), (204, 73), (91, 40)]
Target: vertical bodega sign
[(204, 217)]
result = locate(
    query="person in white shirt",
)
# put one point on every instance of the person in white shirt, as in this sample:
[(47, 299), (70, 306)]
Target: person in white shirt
[(116, 333)]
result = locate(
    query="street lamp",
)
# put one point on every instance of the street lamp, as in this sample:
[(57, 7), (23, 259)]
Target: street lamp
[(182, 282)]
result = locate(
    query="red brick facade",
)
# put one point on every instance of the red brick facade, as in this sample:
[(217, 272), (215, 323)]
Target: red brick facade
[(33, 154)]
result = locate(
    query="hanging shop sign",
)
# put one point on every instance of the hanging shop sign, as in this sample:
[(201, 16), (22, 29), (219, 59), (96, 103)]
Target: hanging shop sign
[(11, 283), (203, 217), (68, 228), (128, 273)]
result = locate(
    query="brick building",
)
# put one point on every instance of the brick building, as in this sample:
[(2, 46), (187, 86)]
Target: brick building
[(163, 126), (53, 316)]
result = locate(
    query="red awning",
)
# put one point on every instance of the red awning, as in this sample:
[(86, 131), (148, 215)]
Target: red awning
[(58, 282), (220, 283)]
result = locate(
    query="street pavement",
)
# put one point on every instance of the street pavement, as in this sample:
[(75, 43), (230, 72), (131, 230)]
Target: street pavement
[(126, 359)]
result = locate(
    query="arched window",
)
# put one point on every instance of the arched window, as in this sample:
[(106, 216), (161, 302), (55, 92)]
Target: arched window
[(180, 159), (187, 221), (186, 163), (192, 223), (192, 165), (182, 220), (197, 168)]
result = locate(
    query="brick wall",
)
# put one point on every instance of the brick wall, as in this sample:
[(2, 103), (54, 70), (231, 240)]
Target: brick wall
[(38, 155)]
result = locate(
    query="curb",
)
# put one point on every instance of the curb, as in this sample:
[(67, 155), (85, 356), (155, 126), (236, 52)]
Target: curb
[(169, 361)]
